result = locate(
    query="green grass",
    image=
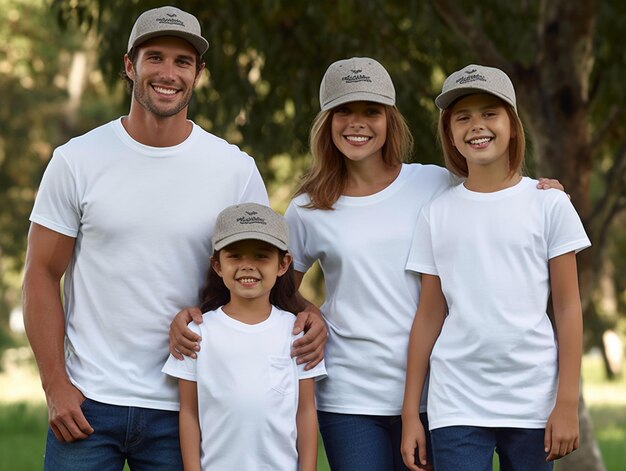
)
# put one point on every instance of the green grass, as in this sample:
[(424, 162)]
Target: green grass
[(606, 402), (23, 428), (23, 425)]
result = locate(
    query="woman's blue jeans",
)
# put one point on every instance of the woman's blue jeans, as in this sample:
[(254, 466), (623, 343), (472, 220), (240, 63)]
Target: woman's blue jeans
[(363, 442)]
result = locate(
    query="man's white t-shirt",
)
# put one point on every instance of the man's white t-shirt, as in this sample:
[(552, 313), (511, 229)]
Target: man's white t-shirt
[(247, 391), (142, 218), (495, 361), (370, 299)]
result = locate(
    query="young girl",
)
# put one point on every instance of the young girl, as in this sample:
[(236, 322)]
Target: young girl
[(244, 404), (490, 251)]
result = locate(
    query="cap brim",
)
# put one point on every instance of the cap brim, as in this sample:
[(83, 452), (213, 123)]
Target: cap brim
[(198, 42), (359, 96), (219, 245), (445, 99)]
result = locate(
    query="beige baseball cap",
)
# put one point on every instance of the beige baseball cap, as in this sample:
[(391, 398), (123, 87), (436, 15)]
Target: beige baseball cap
[(250, 221), (476, 79), (356, 79), (167, 21)]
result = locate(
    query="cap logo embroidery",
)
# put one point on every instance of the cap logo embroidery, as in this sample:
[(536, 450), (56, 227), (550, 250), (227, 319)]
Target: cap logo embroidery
[(172, 20), (356, 76), (251, 218), (471, 76)]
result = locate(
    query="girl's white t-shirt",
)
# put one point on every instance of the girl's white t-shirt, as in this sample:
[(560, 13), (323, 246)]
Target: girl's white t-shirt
[(495, 361), (370, 299), (247, 391)]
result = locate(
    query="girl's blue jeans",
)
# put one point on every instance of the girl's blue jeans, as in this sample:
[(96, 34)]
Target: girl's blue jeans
[(465, 448)]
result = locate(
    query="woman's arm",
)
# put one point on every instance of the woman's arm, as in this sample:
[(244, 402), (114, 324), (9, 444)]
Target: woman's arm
[(562, 435), (309, 348), (306, 421), (424, 333), (189, 425)]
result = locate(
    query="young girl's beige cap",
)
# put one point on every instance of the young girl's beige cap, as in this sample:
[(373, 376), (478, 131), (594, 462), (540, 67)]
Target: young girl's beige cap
[(250, 221), (356, 79), (476, 79)]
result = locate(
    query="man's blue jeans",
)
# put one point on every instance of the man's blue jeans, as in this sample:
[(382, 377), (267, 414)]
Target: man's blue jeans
[(363, 442), (146, 438), (465, 448)]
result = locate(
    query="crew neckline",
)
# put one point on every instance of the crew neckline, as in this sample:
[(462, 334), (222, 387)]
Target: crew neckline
[(379, 195), (494, 195), (150, 150)]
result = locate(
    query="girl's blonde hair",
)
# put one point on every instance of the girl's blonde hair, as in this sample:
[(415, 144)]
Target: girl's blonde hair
[(456, 163), (326, 179)]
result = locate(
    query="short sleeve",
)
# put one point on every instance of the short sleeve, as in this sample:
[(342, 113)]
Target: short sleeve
[(57, 205), (297, 239), (565, 229), (421, 258), (318, 372), (185, 368), (255, 191)]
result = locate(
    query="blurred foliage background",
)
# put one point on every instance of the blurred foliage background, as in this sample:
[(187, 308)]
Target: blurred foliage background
[(60, 59)]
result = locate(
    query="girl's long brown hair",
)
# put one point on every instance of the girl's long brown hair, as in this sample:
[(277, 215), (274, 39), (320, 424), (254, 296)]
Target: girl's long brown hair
[(326, 179), (283, 295)]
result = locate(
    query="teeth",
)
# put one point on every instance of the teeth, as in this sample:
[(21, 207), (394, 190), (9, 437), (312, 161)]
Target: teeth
[(247, 280), (164, 91), (482, 140), (357, 138)]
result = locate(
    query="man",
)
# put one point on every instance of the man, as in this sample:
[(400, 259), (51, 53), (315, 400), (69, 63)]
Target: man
[(126, 212)]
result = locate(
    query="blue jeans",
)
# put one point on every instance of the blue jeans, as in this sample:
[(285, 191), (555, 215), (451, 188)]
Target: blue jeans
[(146, 438), (465, 448), (363, 442)]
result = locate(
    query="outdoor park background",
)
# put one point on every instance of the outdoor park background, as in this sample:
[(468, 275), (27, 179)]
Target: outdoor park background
[(59, 61)]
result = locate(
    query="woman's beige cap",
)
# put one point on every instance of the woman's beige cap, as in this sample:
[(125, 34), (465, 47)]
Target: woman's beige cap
[(356, 79)]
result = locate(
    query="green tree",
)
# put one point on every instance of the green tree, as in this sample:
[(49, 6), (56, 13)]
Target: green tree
[(267, 57), (44, 82)]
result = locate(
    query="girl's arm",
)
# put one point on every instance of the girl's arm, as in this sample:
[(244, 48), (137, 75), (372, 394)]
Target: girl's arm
[(561, 436), (189, 425), (426, 328), (306, 422)]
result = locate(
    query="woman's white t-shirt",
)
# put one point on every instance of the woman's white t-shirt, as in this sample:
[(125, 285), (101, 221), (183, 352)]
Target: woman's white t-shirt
[(370, 299)]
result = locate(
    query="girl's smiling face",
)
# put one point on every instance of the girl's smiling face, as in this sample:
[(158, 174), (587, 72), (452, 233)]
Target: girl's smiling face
[(481, 130), (249, 269), (359, 130)]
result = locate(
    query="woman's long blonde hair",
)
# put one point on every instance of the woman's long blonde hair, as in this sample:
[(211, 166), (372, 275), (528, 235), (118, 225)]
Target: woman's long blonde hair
[(326, 179)]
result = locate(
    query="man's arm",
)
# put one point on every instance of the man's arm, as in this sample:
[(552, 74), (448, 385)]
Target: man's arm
[(47, 257)]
